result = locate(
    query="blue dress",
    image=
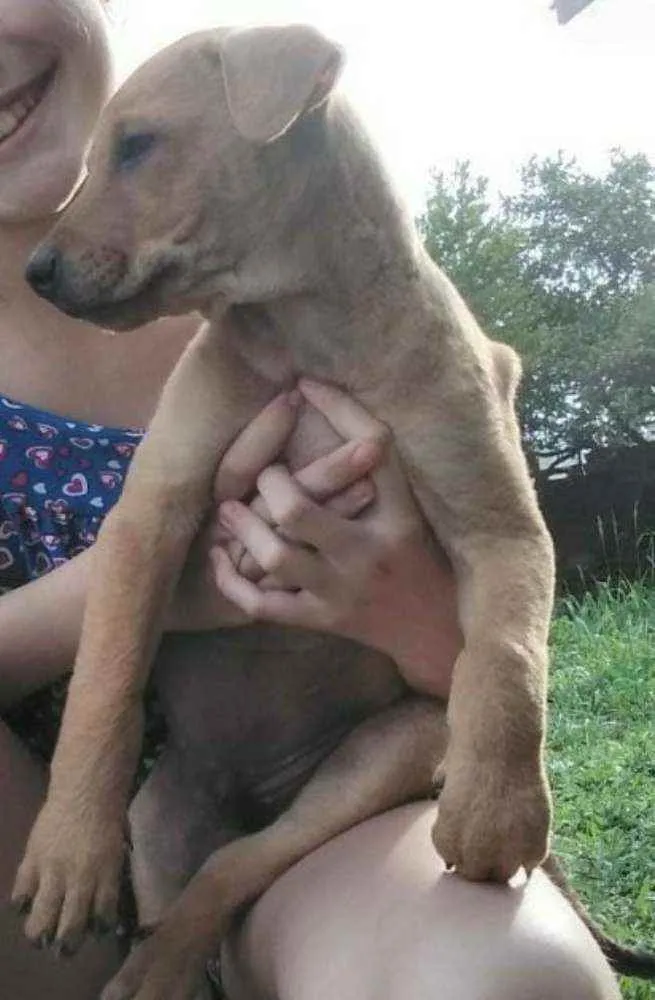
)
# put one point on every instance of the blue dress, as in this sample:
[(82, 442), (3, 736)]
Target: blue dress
[(58, 479)]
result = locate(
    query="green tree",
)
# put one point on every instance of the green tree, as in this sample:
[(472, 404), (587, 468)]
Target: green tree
[(564, 270), (480, 248)]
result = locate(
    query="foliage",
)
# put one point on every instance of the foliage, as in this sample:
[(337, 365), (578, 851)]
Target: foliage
[(564, 270)]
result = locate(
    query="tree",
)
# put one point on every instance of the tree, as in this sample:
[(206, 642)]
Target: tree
[(564, 271), (480, 248)]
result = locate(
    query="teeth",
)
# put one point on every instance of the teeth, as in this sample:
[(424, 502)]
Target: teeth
[(8, 123), (12, 118)]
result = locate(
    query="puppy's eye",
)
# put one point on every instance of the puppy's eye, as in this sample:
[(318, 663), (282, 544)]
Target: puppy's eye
[(132, 149)]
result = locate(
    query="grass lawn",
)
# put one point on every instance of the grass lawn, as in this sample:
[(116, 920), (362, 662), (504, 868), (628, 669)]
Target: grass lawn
[(602, 760)]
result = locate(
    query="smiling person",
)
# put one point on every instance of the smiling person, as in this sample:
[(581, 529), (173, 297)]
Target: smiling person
[(72, 402)]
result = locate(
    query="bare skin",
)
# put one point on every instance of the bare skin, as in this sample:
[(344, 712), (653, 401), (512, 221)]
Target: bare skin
[(368, 916), (41, 355)]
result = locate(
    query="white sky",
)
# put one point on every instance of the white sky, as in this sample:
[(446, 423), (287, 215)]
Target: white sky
[(437, 80)]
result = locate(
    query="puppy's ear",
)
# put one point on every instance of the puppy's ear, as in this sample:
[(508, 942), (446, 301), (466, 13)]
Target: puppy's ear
[(273, 75)]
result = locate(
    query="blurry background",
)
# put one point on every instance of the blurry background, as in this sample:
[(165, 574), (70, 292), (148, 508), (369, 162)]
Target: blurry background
[(493, 81)]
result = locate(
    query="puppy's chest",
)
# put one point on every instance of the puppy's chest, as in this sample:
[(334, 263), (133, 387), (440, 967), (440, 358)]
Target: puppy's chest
[(267, 351), (312, 438)]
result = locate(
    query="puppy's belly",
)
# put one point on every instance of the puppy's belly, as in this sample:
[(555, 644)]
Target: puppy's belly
[(267, 704), (255, 710)]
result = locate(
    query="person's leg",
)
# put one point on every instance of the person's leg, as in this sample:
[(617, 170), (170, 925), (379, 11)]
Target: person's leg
[(26, 973), (373, 916)]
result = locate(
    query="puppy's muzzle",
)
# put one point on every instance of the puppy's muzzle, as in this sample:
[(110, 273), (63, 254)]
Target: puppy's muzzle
[(44, 272), (76, 285)]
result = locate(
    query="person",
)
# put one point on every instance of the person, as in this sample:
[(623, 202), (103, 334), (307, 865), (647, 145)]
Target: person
[(372, 913)]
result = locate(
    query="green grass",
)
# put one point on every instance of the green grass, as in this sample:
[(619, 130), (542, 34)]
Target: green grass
[(602, 759)]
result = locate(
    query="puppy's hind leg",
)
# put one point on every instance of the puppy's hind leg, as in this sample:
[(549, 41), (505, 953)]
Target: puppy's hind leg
[(177, 820), (179, 817), (387, 760)]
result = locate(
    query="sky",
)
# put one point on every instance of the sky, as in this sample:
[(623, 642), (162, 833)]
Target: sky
[(493, 81)]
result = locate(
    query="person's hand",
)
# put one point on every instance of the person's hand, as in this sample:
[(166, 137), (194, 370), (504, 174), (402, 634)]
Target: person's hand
[(377, 578), (338, 480)]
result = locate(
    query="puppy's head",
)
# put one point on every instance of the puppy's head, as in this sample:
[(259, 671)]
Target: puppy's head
[(193, 173)]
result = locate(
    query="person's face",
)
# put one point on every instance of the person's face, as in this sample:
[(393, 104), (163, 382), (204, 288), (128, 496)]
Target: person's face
[(55, 75)]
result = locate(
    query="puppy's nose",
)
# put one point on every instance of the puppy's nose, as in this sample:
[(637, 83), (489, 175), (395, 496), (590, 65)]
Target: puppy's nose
[(44, 271)]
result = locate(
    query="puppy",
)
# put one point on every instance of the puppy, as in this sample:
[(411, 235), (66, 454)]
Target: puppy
[(228, 177)]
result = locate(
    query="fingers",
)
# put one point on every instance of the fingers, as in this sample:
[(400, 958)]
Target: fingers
[(347, 504), (339, 469), (293, 565), (352, 501), (396, 511), (338, 480), (257, 446), (350, 419), (276, 545), (298, 517), (269, 542), (395, 503), (334, 480), (281, 606), (260, 443)]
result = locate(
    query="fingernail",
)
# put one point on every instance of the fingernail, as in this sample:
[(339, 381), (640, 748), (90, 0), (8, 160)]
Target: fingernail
[(363, 492), (226, 513), (367, 453), (294, 398), (309, 384)]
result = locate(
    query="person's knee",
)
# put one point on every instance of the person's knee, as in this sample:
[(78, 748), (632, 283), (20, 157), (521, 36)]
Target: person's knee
[(496, 951), (552, 968), (547, 969)]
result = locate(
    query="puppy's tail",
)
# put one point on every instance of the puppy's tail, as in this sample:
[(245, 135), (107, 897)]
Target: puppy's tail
[(624, 960)]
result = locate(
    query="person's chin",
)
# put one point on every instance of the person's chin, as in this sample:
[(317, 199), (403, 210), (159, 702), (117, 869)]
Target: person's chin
[(37, 195)]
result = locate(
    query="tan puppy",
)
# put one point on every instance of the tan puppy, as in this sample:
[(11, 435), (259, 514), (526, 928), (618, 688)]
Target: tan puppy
[(227, 177)]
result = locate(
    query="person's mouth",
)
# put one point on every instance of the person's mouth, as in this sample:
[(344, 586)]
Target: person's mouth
[(18, 105)]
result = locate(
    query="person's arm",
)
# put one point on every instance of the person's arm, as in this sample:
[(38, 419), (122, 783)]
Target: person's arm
[(40, 622), (381, 573), (39, 629)]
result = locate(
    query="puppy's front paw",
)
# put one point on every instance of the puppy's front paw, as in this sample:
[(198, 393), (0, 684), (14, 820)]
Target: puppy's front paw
[(492, 819), (70, 874)]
